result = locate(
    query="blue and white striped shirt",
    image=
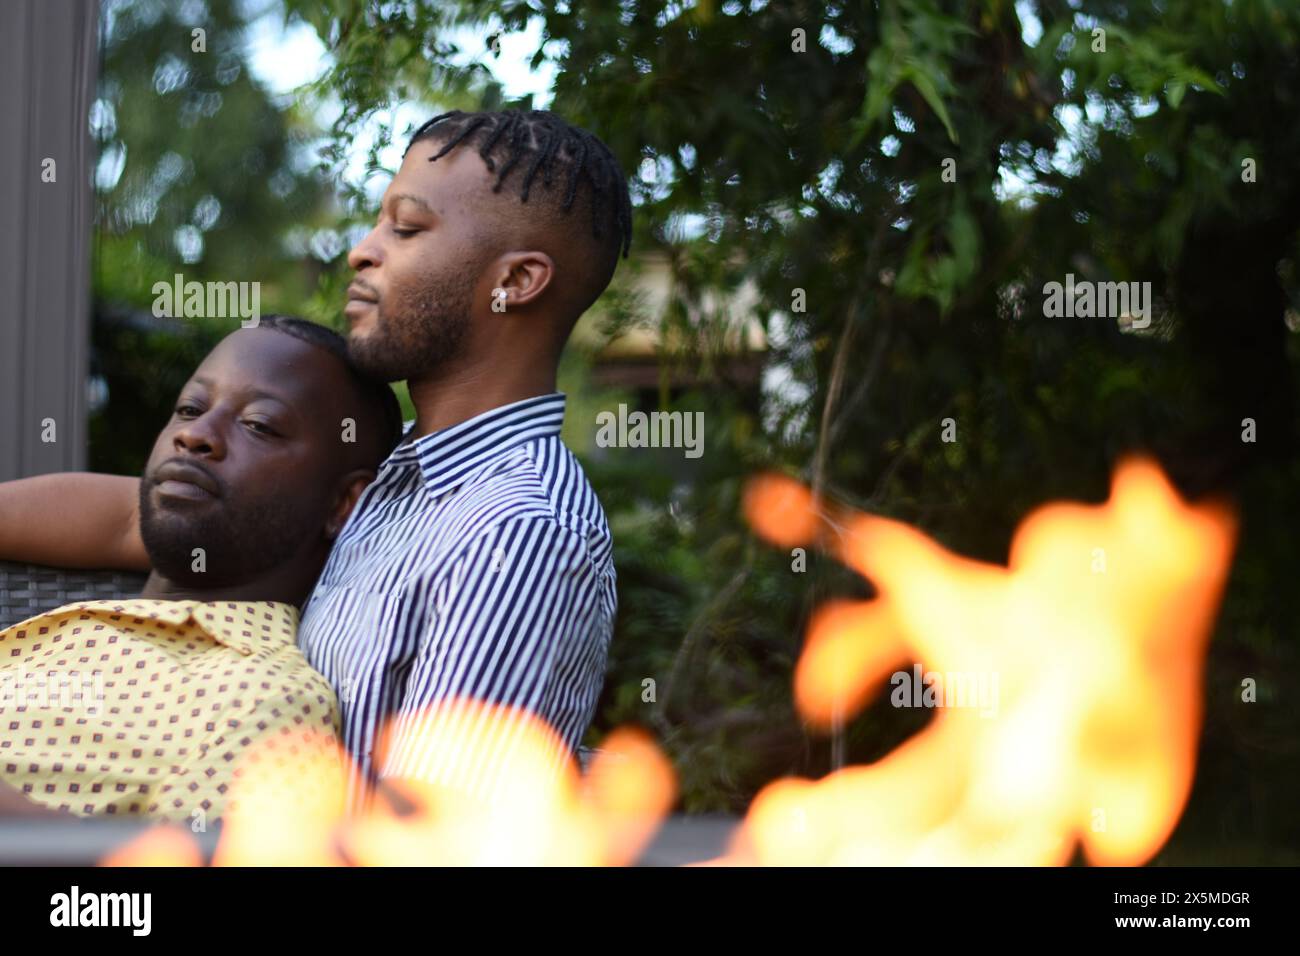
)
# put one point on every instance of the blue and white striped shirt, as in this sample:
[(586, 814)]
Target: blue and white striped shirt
[(477, 564)]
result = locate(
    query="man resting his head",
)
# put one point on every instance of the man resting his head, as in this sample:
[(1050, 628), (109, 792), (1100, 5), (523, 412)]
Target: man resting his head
[(145, 706)]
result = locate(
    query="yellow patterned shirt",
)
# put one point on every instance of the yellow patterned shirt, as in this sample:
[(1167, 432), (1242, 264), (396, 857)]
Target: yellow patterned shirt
[(145, 706)]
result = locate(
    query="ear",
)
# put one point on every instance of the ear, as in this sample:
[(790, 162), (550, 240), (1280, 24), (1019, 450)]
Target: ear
[(350, 488), (520, 278)]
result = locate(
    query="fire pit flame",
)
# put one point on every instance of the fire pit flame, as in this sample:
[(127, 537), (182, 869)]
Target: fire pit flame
[(1066, 686)]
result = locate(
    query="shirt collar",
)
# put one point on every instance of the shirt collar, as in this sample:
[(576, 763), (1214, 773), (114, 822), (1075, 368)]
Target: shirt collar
[(245, 626), (448, 456)]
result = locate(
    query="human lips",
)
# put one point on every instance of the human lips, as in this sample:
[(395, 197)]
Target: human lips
[(357, 290), (182, 479), (359, 293), (359, 300)]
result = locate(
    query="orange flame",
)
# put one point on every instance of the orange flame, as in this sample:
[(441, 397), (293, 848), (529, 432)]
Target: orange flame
[(286, 801), (516, 806), (1093, 641), (164, 845)]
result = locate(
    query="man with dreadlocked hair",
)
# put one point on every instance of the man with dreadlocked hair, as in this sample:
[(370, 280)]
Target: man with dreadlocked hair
[(498, 232), (478, 563)]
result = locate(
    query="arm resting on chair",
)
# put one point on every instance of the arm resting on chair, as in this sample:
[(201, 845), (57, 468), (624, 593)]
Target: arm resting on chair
[(73, 520)]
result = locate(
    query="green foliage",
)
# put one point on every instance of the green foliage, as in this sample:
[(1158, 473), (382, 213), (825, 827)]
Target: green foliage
[(203, 146), (824, 172)]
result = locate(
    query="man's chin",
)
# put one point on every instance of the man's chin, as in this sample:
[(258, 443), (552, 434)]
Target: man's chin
[(361, 332), (174, 536), (368, 352), (362, 325)]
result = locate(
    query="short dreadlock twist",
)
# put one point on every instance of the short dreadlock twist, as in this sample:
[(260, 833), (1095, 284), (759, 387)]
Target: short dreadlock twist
[(537, 136)]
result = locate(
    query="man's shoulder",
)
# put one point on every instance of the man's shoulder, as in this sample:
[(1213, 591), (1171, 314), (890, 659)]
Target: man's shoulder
[(542, 476), (540, 482), (130, 610)]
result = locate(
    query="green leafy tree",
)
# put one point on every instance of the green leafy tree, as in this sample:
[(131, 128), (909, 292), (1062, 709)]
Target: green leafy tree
[(200, 172)]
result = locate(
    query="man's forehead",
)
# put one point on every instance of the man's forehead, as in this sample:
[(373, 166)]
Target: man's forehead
[(433, 183), (267, 362), (259, 346)]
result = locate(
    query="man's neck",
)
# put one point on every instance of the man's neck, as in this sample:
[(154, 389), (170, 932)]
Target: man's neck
[(285, 587), (459, 394)]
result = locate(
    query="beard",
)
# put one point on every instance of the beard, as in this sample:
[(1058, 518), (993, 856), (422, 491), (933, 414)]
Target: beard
[(416, 331), (239, 541)]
